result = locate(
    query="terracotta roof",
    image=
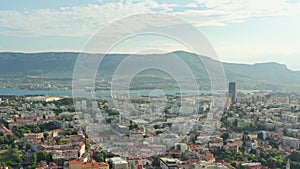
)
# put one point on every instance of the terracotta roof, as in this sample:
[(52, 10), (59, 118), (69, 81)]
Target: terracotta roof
[(53, 164), (208, 157), (94, 164), (174, 151), (76, 161), (223, 162)]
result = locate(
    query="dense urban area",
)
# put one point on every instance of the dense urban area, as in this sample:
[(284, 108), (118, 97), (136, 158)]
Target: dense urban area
[(257, 130)]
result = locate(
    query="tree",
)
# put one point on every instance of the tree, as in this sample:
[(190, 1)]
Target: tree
[(295, 156), (108, 120), (155, 162), (15, 155), (273, 143), (260, 136), (133, 126), (58, 141), (43, 155), (243, 149), (99, 156), (34, 158), (87, 146), (169, 124), (70, 132), (225, 136), (185, 157), (4, 122), (46, 134), (235, 123), (156, 126), (28, 147), (158, 132), (253, 151)]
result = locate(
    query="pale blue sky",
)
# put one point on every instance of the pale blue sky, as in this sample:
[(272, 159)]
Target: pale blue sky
[(241, 31)]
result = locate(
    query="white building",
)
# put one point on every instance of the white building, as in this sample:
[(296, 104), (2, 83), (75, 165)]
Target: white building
[(118, 163), (168, 163), (94, 106), (290, 117), (290, 142), (252, 165), (181, 147), (83, 105), (42, 99)]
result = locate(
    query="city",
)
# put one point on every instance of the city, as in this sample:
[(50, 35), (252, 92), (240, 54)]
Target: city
[(255, 130), (150, 84)]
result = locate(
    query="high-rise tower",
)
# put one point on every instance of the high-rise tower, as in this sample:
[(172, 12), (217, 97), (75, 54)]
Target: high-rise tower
[(232, 91)]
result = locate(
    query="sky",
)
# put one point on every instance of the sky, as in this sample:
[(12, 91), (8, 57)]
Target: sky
[(240, 31)]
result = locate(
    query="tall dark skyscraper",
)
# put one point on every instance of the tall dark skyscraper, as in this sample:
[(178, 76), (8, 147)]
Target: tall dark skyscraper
[(232, 91)]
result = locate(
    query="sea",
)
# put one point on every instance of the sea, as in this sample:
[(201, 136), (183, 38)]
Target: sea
[(105, 94)]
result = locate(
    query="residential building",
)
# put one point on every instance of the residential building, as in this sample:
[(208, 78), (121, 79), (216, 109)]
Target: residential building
[(118, 163), (168, 163), (79, 164)]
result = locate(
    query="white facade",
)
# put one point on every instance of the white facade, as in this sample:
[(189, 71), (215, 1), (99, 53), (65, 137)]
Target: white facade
[(118, 163), (181, 147), (290, 142)]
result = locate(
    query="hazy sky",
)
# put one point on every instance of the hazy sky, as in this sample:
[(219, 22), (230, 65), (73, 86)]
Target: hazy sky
[(243, 31)]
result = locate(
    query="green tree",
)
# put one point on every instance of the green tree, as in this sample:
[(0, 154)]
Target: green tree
[(273, 143), (225, 136), (155, 162), (58, 140), (260, 136), (108, 120), (34, 158), (88, 146), (43, 155), (156, 126), (235, 123), (15, 155), (295, 156), (99, 156), (46, 135)]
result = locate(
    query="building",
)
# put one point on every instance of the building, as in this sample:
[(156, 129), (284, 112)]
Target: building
[(79, 164), (290, 117), (95, 165), (83, 105), (118, 163), (252, 165), (42, 99), (290, 142), (135, 163), (232, 91), (94, 106), (207, 165), (182, 147), (168, 163)]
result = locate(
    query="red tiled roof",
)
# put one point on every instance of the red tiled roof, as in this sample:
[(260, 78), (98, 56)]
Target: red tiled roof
[(94, 164), (76, 161), (208, 157), (53, 164), (174, 151)]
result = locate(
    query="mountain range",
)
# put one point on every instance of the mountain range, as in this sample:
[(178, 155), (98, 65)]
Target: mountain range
[(60, 65)]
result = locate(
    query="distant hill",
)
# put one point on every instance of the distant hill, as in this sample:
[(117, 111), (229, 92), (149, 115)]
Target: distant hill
[(61, 64)]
